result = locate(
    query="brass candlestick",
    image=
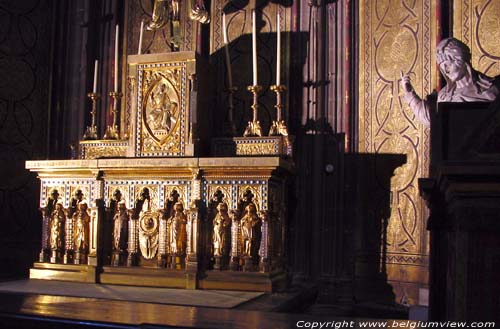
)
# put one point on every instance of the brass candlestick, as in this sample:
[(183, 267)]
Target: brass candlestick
[(112, 132), (91, 131), (278, 127), (231, 128), (253, 128)]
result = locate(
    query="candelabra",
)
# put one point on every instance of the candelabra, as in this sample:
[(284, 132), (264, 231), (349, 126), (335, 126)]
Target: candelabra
[(91, 131), (253, 128), (112, 132), (278, 127)]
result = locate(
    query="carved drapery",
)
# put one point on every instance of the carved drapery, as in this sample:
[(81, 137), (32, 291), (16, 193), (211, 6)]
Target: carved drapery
[(397, 36), (476, 23)]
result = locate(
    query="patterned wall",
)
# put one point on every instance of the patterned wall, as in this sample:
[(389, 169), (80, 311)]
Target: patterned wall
[(398, 36), (24, 63), (477, 23)]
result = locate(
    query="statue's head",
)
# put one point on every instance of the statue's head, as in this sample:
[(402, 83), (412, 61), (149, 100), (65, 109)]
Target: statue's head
[(453, 58), (251, 209), (178, 207), (122, 205), (222, 207), (82, 206)]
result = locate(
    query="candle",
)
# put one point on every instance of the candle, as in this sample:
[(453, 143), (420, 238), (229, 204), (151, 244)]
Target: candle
[(278, 49), (226, 50), (96, 65), (140, 38), (117, 32), (254, 47)]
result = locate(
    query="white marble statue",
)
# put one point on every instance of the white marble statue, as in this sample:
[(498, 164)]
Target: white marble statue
[(463, 83)]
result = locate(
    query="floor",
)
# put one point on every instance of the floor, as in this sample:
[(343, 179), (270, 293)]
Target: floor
[(205, 298)]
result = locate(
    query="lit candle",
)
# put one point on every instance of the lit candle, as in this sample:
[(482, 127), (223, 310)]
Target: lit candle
[(254, 47), (96, 65), (117, 32), (140, 38), (226, 49), (278, 49)]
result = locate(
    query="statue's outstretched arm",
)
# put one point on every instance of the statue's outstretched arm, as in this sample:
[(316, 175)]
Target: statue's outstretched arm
[(420, 107)]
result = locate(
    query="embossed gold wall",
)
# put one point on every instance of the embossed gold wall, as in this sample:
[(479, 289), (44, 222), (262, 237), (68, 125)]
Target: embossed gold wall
[(398, 36), (477, 23)]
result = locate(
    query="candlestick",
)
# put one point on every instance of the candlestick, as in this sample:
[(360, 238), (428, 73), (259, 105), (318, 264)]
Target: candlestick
[(278, 127), (139, 51), (254, 48), (117, 33), (112, 132), (96, 66), (278, 49), (91, 131), (253, 127)]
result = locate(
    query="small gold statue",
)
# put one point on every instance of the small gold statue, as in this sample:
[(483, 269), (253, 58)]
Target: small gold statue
[(178, 235), (120, 228), (250, 232), (81, 229), (57, 221), (222, 231)]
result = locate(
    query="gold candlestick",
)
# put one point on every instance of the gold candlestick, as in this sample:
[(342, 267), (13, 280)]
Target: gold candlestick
[(278, 127), (91, 131), (253, 128), (112, 132)]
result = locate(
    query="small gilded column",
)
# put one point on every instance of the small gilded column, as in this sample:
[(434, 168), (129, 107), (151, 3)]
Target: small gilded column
[(132, 241), (235, 240), (162, 246), (264, 243)]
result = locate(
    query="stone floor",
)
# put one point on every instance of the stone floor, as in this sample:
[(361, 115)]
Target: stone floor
[(205, 298)]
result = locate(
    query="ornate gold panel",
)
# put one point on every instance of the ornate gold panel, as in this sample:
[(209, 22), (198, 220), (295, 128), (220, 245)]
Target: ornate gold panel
[(226, 191), (477, 24), (85, 190), (102, 149), (124, 190), (258, 198), (153, 193), (398, 36), (47, 188), (181, 190), (161, 109)]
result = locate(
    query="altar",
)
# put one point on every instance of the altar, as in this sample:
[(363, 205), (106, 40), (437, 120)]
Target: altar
[(150, 205)]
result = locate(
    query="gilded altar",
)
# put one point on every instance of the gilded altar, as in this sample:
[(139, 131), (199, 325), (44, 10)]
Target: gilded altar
[(150, 208)]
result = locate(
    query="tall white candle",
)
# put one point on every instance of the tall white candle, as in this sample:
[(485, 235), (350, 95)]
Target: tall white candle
[(96, 65), (140, 38), (226, 50), (139, 51), (278, 49), (254, 47), (117, 33)]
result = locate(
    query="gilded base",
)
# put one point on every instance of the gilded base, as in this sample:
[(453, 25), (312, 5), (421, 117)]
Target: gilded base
[(64, 272)]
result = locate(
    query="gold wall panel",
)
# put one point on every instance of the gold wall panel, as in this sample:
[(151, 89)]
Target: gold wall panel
[(477, 24), (398, 36)]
